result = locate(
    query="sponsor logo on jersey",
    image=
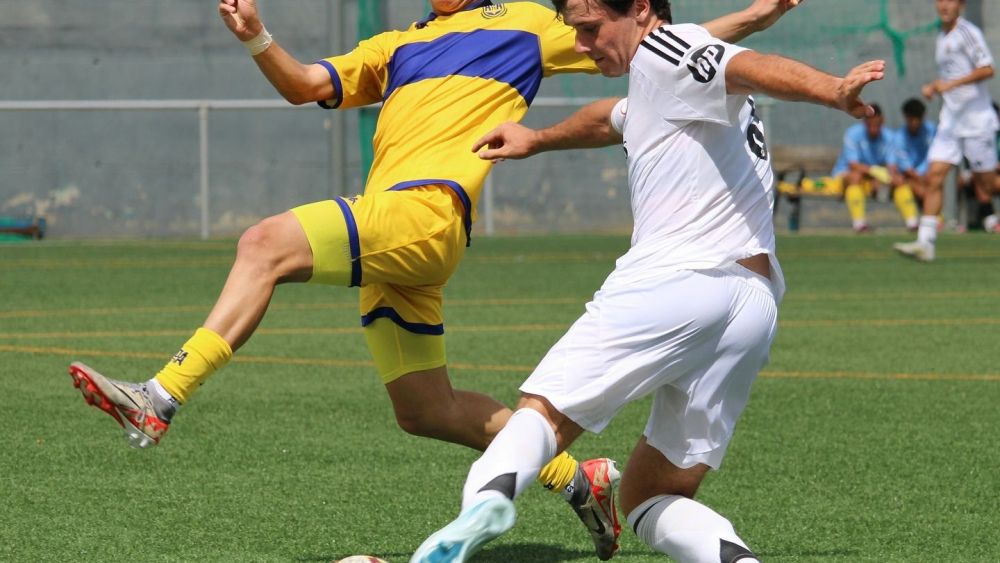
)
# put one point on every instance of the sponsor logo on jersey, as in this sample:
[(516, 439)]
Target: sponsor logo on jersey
[(494, 10), (705, 62)]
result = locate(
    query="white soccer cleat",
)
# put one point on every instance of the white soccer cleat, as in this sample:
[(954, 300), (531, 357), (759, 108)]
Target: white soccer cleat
[(456, 542), (921, 251)]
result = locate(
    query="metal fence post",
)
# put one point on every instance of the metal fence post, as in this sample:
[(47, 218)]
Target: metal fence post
[(203, 159), (488, 187)]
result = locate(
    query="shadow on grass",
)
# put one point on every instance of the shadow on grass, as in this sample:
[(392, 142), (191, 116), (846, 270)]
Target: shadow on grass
[(806, 553), (541, 553)]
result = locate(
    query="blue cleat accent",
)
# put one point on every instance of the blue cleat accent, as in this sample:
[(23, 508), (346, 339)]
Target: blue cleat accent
[(456, 542)]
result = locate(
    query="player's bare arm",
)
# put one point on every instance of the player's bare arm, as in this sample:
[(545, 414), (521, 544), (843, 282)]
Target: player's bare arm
[(296, 82), (790, 80), (759, 16), (941, 86), (589, 127)]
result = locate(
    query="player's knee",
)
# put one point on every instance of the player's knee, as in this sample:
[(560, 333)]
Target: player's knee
[(268, 248), (425, 423)]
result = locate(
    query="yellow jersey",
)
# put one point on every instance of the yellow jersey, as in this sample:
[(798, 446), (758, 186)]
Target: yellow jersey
[(445, 82)]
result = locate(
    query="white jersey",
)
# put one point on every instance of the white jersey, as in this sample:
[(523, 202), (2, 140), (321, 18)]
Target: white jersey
[(699, 170), (967, 110)]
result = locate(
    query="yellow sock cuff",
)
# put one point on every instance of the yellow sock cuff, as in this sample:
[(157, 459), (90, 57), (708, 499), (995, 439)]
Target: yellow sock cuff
[(905, 202), (201, 356), (854, 195), (558, 473)]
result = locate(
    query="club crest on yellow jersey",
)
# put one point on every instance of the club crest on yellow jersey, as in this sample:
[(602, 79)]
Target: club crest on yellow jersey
[(494, 10)]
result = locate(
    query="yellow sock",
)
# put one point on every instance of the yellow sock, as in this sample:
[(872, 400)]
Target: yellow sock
[(906, 203), (201, 356), (854, 195), (558, 473)]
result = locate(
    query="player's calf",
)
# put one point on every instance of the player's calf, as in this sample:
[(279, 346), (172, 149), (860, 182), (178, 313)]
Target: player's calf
[(688, 531)]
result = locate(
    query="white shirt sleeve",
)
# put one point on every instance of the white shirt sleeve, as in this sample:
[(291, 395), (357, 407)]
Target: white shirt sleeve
[(618, 115), (977, 49), (683, 68)]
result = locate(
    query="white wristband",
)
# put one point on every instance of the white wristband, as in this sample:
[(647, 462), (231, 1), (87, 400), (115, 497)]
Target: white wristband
[(259, 44)]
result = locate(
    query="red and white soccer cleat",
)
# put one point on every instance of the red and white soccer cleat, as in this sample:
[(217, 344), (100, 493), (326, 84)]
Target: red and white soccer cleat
[(129, 403), (595, 505)]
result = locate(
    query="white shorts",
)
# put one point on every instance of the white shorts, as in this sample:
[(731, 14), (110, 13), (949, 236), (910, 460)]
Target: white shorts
[(981, 151), (695, 338)]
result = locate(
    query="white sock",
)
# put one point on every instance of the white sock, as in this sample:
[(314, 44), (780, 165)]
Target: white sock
[(513, 460), (927, 232), (688, 531), (164, 403)]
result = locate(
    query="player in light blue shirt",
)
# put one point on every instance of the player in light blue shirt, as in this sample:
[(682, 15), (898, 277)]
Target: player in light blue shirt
[(868, 161), (914, 141)]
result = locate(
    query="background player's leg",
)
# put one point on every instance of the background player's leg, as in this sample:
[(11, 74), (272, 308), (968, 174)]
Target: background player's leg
[(854, 197), (906, 202), (923, 248), (934, 199), (658, 498)]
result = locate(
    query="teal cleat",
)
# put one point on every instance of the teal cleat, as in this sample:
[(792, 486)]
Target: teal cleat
[(457, 541)]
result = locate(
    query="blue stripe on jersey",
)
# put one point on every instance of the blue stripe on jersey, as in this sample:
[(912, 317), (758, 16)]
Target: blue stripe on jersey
[(392, 315), (338, 88), (355, 242), (509, 56), (463, 196)]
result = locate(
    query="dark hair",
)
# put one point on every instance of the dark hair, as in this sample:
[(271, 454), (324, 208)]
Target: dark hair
[(660, 7), (878, 110), (914, 108)]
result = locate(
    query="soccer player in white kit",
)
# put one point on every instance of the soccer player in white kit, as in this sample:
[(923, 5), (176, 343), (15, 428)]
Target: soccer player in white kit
[(690, 311), (967, 126)]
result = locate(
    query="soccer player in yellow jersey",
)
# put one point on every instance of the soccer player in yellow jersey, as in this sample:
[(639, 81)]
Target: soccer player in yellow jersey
[(444, 82)]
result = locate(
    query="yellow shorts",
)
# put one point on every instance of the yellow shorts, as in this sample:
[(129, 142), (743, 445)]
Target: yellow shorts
[(400, 247)]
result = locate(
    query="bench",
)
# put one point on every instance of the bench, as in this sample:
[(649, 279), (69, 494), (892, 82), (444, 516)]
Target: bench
[(14, 228), (803, 171)]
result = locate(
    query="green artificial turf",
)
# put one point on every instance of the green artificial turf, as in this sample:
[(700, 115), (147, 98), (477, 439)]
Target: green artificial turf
[(871, 436)]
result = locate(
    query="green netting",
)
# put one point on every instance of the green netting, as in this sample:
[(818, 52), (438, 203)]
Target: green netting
[(830, 35)]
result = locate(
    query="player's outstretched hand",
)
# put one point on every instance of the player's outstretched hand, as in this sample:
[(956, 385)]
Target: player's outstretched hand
[(849, 92), (769, 11), (509, 140), (241, 17)]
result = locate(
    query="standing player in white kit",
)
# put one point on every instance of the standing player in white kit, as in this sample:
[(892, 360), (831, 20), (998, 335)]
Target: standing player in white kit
[(967, 126), (690, 311)]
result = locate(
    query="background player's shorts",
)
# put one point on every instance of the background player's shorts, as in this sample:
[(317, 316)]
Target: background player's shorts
[(400, 247), (694, 338), (981, 151)]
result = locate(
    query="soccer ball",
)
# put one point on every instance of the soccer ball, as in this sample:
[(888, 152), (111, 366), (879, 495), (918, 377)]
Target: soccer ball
[(991, 223), (361, 559)]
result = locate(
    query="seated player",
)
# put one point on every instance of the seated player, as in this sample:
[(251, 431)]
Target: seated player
[(913, 144), (867, 163)]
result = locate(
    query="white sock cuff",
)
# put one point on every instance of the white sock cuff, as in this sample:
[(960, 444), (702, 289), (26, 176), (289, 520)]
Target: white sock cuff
[(161, 392)]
